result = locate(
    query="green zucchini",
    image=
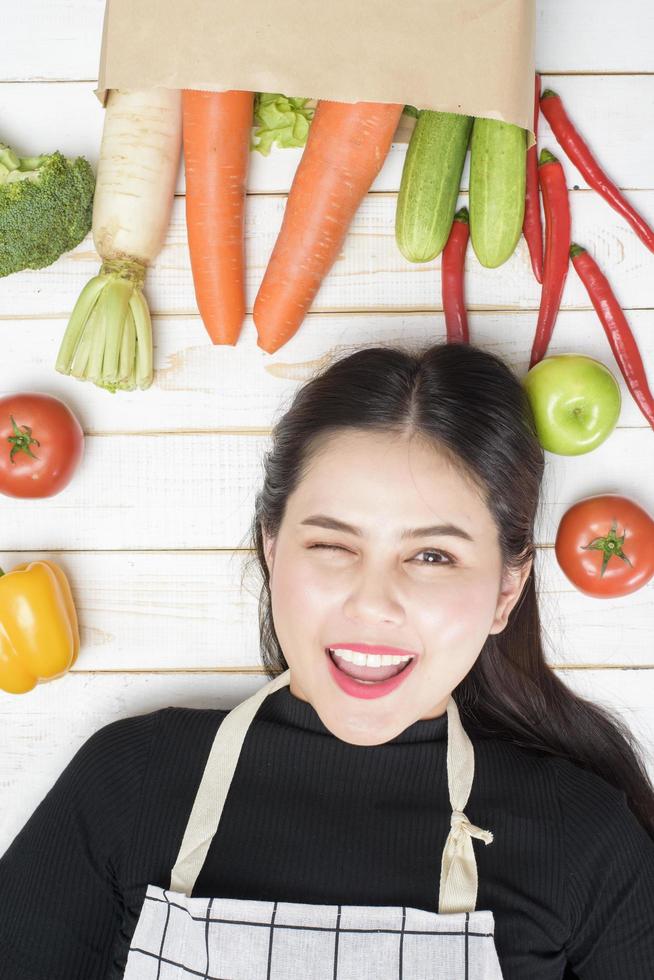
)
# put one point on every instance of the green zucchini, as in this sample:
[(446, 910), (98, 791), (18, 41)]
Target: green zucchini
[(498, 174), (429, 187)]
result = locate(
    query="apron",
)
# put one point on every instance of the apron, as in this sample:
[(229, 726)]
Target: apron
[(178, 936)]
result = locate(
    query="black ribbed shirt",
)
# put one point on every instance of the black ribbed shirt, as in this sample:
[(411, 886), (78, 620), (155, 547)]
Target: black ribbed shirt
[(569, 875)]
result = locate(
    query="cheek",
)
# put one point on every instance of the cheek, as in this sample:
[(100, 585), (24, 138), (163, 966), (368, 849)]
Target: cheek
[(298, 590), (458, 613)]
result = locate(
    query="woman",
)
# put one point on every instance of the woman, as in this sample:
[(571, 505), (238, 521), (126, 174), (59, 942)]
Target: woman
[(327, 792)]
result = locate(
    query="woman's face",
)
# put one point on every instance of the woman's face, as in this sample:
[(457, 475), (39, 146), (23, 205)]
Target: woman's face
[(437, 595)]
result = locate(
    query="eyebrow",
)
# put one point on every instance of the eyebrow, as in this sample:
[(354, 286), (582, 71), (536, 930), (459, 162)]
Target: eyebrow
[(331, 523)]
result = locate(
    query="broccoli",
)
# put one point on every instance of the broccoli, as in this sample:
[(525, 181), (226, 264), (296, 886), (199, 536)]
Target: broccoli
[(46, 208)]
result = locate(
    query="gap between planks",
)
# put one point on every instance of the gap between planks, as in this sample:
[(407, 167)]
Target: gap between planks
[(367, 312)]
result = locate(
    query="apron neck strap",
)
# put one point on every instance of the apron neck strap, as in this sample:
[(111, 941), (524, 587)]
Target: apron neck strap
[(458, 886), (458, 883)]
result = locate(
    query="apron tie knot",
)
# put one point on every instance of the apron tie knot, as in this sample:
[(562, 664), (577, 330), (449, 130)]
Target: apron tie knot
[(459, 824), (458, 891)]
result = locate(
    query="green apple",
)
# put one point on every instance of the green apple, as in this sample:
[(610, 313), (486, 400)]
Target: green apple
[(575, 400)]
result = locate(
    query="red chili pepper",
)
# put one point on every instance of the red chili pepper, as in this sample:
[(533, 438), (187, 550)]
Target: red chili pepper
[(452, 262), (622, 341), (557, 248), (532, 228), (579, 152)]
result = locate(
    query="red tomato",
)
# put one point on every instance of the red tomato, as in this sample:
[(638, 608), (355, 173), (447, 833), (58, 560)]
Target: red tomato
[(605, 545), (41, 445)]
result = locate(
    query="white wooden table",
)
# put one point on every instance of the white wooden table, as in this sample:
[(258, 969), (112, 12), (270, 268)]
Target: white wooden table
[(152, 530)]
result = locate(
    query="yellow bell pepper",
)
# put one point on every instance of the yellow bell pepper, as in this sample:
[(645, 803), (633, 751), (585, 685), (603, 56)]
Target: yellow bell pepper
[(39, 631)]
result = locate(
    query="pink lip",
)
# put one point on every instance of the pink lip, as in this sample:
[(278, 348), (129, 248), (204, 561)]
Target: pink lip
[(368, 691), (368, 648)]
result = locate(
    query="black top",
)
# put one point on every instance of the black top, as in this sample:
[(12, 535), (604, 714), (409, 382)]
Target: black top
[(569, 875)]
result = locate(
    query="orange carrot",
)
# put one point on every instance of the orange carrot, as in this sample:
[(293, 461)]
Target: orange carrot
[(345, 150), (216, 132)]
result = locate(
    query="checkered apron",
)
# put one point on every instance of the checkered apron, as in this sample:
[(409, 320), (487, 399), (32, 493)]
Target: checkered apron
[(178, 936)]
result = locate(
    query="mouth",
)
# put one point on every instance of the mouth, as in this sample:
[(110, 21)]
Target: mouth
[(364, 673), (367, 682)]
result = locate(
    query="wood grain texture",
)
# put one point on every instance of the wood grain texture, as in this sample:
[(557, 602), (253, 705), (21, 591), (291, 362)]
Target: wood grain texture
[(198, 387), (370, 273), (128, 487)]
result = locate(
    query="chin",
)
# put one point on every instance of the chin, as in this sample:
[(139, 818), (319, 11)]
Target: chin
[(372, 734)]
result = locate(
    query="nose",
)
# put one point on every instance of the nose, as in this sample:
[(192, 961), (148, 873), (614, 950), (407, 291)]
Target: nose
[(372, 597)]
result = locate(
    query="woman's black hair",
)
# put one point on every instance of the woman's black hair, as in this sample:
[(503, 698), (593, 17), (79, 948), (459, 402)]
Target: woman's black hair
[(468, 404)]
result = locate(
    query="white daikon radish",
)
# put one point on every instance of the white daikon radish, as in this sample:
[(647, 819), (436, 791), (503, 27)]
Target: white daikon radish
[(108, 339)]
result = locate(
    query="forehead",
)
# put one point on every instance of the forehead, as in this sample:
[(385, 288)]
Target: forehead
[(376, 479)]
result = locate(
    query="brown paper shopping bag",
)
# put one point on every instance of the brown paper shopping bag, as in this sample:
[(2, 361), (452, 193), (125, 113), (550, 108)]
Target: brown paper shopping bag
[(470, 56)]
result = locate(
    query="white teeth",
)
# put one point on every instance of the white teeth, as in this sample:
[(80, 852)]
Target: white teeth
[(369, 659)]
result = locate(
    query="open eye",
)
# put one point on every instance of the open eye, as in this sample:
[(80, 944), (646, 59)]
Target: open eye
[(432, 551)]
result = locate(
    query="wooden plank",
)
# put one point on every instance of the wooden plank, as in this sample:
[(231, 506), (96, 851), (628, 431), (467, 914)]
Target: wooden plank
[(370, 273), (128, 489), (44, 729), (612, 111), (60, 39), (583, 36), (199, 386), (186, 610)]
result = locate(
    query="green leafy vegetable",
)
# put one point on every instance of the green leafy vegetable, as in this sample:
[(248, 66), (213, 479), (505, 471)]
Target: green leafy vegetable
[(410, 110), (46, 207), (280, 120)]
